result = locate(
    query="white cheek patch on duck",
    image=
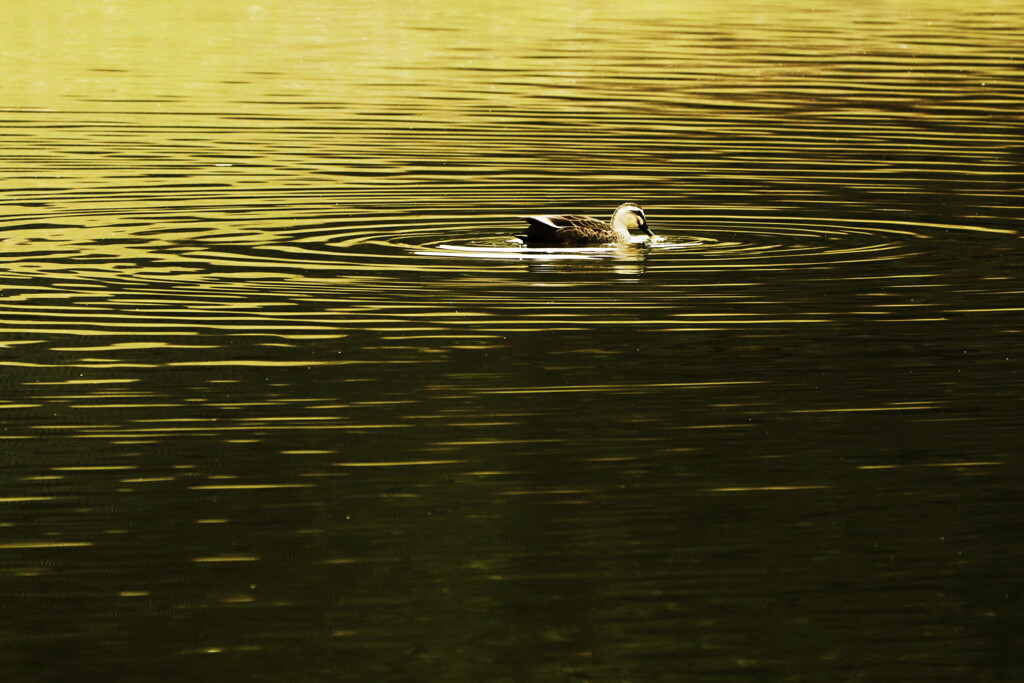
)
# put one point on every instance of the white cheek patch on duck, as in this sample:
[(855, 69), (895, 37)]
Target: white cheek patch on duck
[(631, 220)]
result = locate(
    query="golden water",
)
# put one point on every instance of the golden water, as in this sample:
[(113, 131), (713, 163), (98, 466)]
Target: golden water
[(282, 400)]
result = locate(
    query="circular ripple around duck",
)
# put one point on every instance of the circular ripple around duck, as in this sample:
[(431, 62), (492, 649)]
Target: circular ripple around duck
[(209, 251), (704, 242), (251, 274)]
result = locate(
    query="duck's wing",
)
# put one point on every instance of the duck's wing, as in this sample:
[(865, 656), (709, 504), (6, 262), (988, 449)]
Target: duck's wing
[(561, 229)]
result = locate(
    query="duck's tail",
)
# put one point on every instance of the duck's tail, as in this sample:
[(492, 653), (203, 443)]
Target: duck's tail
[(540, 231)]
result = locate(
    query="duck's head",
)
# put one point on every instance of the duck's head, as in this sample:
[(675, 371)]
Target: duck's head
[(630, 215)]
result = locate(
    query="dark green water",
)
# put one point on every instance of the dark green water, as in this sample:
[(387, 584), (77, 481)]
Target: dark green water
[(279, 400)]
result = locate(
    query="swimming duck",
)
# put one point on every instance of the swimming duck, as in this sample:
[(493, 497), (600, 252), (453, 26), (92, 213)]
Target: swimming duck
[(584, 229)]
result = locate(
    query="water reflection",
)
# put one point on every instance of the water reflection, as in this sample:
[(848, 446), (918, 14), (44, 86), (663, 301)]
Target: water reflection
[(281, 398)]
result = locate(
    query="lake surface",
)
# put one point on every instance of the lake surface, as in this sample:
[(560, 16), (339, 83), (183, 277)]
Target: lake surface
[(281, 400)]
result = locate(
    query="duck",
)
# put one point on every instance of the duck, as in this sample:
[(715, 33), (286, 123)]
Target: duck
[(578, 230)]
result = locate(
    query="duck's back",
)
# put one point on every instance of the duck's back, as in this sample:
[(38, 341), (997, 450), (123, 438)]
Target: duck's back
[(567, 230)]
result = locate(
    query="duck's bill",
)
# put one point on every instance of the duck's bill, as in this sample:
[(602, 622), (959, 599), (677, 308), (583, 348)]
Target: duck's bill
[(646, 230)]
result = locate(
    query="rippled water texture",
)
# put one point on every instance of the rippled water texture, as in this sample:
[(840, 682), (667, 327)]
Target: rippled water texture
[(282, 399)]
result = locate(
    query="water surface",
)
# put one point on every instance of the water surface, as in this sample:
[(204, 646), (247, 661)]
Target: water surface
[(282, 400)]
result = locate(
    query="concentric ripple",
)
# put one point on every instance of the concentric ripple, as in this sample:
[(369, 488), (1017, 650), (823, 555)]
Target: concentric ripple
[(260, 274), (684, 242), (185, 250)]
